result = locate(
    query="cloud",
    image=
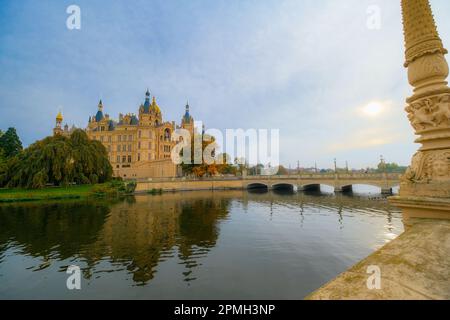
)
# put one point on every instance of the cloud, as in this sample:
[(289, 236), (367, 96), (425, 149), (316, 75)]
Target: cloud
[(303, 67)]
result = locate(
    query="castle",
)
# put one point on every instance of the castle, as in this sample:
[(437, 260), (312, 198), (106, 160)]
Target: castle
[(138, 146)]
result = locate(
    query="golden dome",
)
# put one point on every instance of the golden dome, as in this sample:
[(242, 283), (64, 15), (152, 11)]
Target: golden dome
[(59, 117), (155, 106)]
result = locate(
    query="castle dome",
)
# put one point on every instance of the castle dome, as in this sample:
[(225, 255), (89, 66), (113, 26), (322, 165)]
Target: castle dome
[(154, 106), (59, 117)]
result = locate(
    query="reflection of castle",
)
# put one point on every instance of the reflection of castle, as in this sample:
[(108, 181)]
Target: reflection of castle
[(138, 146), (136, 233)]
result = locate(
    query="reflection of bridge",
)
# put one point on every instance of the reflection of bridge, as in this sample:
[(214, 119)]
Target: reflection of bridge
[(304, 182)]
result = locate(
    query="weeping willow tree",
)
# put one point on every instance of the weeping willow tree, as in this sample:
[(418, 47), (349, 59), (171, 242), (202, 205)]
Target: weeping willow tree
[(59, 160)]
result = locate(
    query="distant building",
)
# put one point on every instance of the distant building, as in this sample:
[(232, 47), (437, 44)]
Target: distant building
[(138, 146)]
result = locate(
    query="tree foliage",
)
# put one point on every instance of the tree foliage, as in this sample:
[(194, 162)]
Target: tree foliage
[(390, 168), (221, 165), (58, 160), (10, 143)]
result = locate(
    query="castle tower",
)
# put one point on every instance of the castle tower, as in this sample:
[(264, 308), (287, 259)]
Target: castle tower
[(425, 188), (187, 122), (99, 115), (58, 126)]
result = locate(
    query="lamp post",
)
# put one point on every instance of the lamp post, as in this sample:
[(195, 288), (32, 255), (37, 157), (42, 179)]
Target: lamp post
[(383, 166)]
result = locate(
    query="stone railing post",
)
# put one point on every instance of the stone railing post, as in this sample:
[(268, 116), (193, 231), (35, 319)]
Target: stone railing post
[(425, 188)]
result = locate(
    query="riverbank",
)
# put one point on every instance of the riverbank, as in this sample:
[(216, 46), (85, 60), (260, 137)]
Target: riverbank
[(415, 266), (53, 193)]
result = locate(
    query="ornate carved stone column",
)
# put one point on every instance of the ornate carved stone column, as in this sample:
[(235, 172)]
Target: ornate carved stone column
[(425, 188)]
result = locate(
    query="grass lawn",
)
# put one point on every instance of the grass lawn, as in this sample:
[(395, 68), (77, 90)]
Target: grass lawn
[(52, 193)]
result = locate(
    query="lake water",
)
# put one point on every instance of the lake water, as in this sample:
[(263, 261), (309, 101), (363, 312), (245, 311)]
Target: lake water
[(198, 245)]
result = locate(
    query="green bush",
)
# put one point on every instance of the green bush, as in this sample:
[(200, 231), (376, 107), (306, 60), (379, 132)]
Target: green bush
[(130, 187), (155, 191)]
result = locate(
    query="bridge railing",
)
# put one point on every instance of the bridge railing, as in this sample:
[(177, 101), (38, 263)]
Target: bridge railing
[(312, 176), (327, 176)]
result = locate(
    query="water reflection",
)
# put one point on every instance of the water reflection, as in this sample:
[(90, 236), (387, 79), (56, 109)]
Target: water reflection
[(176, 234)]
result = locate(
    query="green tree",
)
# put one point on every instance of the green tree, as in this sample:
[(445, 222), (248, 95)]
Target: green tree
[(10, 143), (3, 167), (390, 168), (59, 160), (226, 167)]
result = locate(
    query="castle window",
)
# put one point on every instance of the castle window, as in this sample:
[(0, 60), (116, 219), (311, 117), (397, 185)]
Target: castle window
[(101, 138), (129, 148), (167, 135), (109, 138), (140, 133), (139, 145), (139, 157), (120, 138), (118, 159), (124, 159), (124, 138), (129, 159), (130, 138), (118, 148)]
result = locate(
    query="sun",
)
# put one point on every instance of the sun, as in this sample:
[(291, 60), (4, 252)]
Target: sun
[(373, 109)]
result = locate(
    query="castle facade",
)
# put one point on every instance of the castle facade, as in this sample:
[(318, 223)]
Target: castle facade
[(138, 146)]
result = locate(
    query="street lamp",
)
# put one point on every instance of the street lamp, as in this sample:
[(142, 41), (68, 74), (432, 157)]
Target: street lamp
[(382, 163)]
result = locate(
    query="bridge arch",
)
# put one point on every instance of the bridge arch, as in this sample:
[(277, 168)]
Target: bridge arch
[(370, 188), (284, 187), (257, 186), (318, 187)]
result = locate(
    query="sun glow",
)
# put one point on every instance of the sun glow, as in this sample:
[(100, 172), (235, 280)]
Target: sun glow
[(373, 109)]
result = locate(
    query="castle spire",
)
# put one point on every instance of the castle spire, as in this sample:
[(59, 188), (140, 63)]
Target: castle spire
[(99, 115), (420, 32)]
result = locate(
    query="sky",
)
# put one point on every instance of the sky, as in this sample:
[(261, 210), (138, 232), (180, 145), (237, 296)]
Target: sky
[(313, 69)]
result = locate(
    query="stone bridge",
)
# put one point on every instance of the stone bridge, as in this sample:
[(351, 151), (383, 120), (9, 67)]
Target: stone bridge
[(340, 182), (304, 182)]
